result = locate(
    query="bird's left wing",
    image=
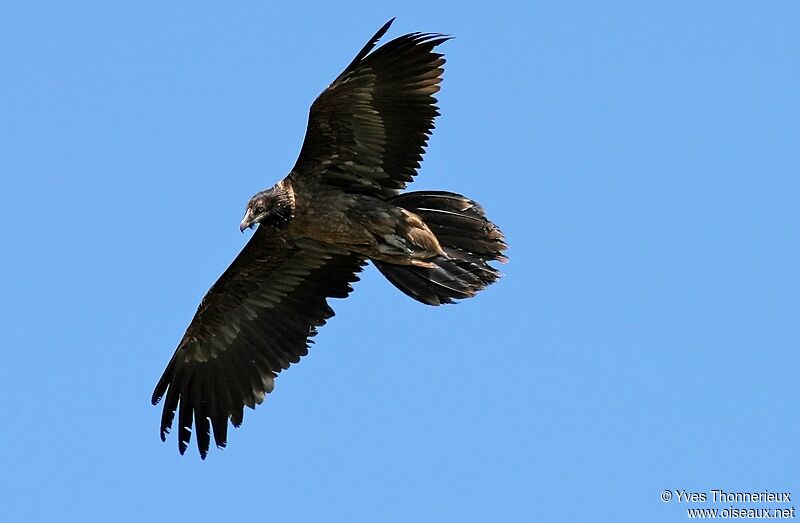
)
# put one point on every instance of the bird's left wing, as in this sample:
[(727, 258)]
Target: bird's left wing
[(255, 321), (368, 130)]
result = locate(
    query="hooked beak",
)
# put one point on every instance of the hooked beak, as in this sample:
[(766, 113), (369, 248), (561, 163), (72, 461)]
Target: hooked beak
[(247, 221)]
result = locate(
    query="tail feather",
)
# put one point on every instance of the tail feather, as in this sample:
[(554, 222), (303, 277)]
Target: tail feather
[(469, 242)]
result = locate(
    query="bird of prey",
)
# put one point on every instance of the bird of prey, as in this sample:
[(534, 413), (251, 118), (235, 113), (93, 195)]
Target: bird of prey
[(339, 207)]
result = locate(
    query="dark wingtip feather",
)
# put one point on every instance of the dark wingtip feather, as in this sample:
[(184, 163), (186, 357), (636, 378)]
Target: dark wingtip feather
[(219, 425), (237, 416), (170, 405), (157, 395), (184, 423), (367, 47), (161, 386), (219, 418), (201, 423)]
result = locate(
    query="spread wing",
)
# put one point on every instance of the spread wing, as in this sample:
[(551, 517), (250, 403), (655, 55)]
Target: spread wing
[(255, 321), (368, 130)]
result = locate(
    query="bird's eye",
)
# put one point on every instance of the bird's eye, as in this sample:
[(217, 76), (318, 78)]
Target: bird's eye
[(259, 209)]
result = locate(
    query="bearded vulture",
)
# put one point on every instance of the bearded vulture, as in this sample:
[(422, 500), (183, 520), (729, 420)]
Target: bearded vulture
[(339, 207)]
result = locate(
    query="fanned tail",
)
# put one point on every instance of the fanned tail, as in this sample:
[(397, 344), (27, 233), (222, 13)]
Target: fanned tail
[(468, 239)]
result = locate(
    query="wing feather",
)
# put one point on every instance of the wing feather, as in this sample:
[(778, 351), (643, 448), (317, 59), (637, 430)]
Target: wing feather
[(254, 322), (368, 130), (219, 418)]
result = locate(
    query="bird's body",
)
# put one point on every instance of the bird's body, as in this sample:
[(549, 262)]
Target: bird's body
[(362, 223), (339, 207)]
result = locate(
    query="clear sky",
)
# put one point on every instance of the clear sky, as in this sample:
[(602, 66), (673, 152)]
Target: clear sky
[(643, 159)]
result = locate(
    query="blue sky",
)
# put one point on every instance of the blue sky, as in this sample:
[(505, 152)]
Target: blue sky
[(641, 157)]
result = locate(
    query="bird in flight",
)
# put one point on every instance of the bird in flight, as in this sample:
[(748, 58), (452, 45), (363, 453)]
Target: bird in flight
[(339, 207)]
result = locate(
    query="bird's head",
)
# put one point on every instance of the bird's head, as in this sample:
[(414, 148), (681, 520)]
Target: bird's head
[(273, 207)]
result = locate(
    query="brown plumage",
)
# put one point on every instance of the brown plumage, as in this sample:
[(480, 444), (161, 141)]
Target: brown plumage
[(339, 207)]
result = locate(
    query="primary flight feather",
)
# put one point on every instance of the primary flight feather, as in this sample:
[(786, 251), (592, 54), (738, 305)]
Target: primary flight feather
[(339, 207)]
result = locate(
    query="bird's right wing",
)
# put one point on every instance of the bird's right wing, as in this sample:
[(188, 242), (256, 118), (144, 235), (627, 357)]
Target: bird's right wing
[(255, 321)]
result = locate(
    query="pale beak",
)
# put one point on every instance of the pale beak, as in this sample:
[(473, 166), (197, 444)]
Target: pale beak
[(246, 221)]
